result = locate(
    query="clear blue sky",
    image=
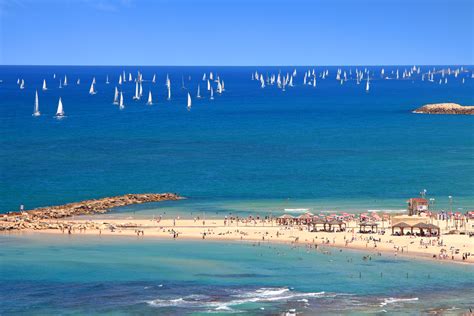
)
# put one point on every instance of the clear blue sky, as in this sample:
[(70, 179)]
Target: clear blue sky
[(231, 32)]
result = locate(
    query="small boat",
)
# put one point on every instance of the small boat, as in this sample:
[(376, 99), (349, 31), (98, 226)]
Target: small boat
[(120, 80), (137, 95), (121, 105), (208, 85), (141, 90), (65, 80), (44, 85), (154, 78), (78, 82), (212, 94), (116, 96), (198, 92), (130, 76), (367, 85), (107, 80), (91, 90), (189, 102), (36, 111), (60, 110), (150, 100), (22, 84)]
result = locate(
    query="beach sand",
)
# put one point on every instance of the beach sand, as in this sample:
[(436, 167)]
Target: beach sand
[(269, 232)]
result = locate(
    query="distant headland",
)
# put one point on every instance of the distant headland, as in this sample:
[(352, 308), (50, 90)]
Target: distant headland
[(445, 108)]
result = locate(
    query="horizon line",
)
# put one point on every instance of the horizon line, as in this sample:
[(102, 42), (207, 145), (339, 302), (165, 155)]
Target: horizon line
[(321, 65)]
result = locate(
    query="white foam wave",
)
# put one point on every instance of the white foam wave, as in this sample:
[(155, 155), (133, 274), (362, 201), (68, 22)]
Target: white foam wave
[(393, 300), (260, 295)]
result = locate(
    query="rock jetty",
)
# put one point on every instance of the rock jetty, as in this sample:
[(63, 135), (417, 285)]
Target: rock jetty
[(39, 218), (445, 108)]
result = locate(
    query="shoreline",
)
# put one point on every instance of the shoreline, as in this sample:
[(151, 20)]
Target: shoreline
[(371, 244)]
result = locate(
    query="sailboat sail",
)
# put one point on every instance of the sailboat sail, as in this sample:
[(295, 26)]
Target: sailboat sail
[(60, 110), (189, 101), (199, 92), (44, 85), (116, 96), (212, 94), (91, 90), (136, 96), (150, 100), (36, 111), (65, 80), (121, 105)]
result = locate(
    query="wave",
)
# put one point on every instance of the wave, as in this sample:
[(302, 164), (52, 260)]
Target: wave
[(393, 300), (237, 298)]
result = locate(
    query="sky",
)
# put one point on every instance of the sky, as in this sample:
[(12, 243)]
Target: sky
[(231, 32)]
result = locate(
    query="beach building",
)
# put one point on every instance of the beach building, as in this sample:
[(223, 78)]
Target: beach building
[(416, 206)]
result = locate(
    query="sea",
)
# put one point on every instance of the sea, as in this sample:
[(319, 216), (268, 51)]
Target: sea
[(251, 150)]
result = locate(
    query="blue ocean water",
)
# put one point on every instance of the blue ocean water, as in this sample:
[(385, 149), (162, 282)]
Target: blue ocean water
[(333, 147), (78, 275)]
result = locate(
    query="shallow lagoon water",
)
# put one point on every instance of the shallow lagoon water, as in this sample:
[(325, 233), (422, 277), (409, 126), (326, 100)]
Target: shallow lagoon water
[(85, 274)]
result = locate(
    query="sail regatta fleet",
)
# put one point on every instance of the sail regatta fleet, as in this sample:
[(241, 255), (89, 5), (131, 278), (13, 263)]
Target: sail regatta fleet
[(118, 98), (282, 80)]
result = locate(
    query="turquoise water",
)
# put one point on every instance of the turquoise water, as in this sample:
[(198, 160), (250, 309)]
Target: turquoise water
[(251, 150), (333, 147), (118, 275)]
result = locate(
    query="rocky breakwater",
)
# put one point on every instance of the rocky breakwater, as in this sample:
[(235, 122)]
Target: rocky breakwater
[(40, 218), (445, 108)]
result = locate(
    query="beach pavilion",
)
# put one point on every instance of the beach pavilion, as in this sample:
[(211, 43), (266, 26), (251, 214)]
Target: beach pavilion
[(285, 219), (332, 224), (363, 227), (423, 228), (401, 226), (317, 221)]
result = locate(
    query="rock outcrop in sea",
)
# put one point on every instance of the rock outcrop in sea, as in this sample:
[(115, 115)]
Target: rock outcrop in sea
[(445, 108), (39, 218)]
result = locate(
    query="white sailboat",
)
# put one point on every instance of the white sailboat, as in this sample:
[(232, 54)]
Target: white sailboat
[(65, 80), (129, 76), (44, 85), (60, 110), (121, 105), (141, 90), (154, 78), (60, 84), (314, 82), (78, 82), (208, 85), (116, 96), (91, 90), (199, 92), (150, 100), (212, 94), (107, 80), (367, 85), (120, 80), (219, 87), (189, 102), (22, 84), (36, 111), (137, 95), (168, 85)]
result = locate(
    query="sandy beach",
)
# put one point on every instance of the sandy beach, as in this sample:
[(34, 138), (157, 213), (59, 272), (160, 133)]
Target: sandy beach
[(446, 248)]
